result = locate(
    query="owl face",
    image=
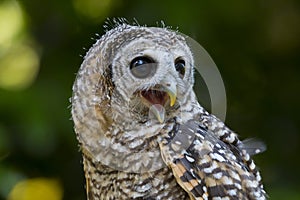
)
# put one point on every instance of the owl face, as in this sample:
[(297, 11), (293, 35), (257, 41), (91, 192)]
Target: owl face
[(152, 74)]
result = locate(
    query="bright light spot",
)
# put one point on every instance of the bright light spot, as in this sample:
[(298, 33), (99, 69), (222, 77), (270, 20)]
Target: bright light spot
[(18, 67), (19, 61), (11, 22), (37, 189)]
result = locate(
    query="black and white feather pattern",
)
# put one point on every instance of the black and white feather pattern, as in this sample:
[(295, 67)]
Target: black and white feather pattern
[(210, 168)]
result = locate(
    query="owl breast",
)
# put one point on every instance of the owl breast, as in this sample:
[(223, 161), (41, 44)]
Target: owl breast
[(105, 183)]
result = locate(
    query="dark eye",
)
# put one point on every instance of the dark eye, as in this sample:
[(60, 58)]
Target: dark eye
[(180, 67), (142, 67)]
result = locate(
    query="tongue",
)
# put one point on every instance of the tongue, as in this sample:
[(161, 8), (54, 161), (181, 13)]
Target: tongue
[(157, 111)]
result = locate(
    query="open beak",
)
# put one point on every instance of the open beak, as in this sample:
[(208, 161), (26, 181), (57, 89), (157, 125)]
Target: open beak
[(157, 97)]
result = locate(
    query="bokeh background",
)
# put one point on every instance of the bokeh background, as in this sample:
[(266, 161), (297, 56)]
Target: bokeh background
[(255, 44)]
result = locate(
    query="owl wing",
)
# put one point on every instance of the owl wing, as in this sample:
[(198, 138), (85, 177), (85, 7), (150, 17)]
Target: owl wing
[(206, 167)]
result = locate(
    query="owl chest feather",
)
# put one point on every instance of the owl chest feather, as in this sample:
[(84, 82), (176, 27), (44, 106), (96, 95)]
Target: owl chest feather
[(104, 183), (153, 180)]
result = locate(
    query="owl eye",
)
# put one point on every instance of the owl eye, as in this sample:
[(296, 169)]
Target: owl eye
[(180, 67), (142, 67)]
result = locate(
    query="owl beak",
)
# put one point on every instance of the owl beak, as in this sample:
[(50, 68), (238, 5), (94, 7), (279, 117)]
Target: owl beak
[(157, 97), (157, 109), (171, 90)]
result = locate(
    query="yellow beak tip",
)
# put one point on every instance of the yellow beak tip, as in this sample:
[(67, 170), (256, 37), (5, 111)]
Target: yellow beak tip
[(172, 102), (172, 97)]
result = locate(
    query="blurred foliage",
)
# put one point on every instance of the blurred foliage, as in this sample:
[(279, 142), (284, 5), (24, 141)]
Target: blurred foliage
[(15, 43), (255, 45)]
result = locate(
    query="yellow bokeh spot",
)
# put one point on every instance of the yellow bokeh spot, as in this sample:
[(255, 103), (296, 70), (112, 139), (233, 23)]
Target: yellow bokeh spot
[(11, 22), (18, 67), (19, 61), (37, 189)]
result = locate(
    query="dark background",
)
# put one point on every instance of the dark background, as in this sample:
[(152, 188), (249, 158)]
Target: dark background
[(255, 44)]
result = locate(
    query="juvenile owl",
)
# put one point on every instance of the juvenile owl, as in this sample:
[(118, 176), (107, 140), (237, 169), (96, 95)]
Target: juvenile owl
[(141, 130)]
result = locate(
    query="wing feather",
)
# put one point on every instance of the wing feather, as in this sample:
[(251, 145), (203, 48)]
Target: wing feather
[(206, 167)]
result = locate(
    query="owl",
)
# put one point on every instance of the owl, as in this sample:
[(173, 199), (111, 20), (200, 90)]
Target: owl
[(141, 130)]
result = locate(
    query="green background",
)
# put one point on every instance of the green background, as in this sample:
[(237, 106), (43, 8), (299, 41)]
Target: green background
[(255, 44)]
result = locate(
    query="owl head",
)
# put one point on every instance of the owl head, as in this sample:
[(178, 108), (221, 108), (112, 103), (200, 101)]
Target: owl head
[(135, 74), (150, 71), (132, 77)]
